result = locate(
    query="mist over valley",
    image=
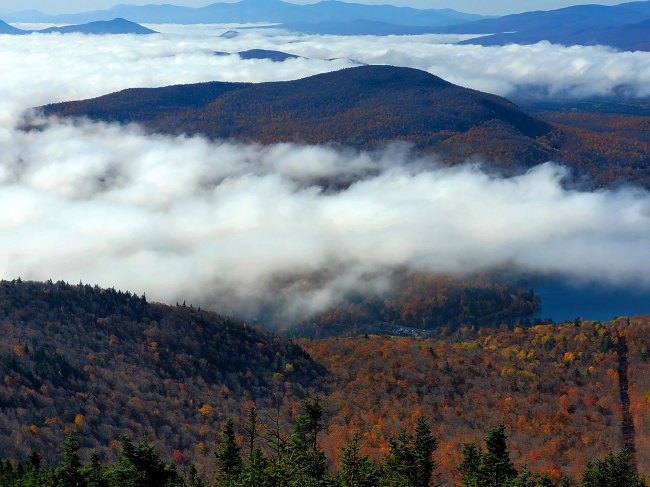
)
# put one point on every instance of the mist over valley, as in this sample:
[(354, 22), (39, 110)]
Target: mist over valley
[(409, 227)]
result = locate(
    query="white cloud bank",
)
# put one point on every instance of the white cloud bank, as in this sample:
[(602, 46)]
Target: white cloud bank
[(185, 218)]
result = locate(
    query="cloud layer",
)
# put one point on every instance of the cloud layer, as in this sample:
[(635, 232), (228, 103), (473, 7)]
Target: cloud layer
[(214, 223)]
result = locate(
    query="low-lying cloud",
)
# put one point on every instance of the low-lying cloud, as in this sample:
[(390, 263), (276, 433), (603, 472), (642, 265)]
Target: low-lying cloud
[(179, 217), (216, 222)]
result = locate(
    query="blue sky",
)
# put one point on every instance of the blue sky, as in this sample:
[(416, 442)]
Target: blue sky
[(495, 7)]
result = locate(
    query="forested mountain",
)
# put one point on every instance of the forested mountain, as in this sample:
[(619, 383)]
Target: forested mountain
[(108, 362), (366, 107), (103, 363)]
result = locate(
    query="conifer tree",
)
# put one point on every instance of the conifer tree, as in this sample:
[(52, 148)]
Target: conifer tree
[(545, 481), (410, 462), (69, 473), (357, 470), (612, 471), (496, 469), (229, 460), (255, 473), (304, 445), (94, 472), (194, 479), (469, 467)]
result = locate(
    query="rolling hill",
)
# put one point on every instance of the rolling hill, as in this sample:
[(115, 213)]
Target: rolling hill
[(109, 362), (361, 107), (114, 26), (103, 362), (367, 107)]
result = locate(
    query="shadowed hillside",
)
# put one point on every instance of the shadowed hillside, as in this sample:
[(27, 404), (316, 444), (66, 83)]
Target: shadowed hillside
[(366, 107), (107, 362)]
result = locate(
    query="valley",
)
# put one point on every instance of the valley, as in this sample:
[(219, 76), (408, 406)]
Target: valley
[(324, 245)]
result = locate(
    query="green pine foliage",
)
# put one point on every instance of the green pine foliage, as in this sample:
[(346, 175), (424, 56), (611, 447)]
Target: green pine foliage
[(612, 471), (410, 463)]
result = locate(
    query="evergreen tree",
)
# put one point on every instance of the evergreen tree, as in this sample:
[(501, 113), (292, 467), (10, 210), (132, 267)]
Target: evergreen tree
[(410, 462), (496, 469), (94, 472), (425, 445), (282, 470), (255, 473), (545, 481), (140, 466), (252, 431), (194, 479), (69, 472), (612, 471), (304, 447), (565, 482), (524, 479), (470, 466), (32, 475), (229, 460), (356, 469)]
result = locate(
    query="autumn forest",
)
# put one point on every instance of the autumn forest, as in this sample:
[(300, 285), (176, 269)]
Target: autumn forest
[(106, 370)]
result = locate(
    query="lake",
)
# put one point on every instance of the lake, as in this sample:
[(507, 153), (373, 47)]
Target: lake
[(562, 301)]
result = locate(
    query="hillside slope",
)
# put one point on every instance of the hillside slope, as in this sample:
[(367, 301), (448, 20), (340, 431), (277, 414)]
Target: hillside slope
[(364, 108), (361, 107), (107, 362)]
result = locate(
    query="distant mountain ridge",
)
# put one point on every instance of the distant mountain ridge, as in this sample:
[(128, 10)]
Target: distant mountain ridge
[(245, 11), (622, 26), (115, 26), (341, 106), (275, 56), (365, 108), (5, 28)]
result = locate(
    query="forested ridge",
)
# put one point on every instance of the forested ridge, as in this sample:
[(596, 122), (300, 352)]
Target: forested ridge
[(419, 302), (366, 107), (102, 364)]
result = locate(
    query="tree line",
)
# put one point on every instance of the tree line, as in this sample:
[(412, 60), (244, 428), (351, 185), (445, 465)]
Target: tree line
[(263, 455)]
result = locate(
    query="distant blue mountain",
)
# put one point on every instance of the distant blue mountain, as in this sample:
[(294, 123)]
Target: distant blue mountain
[(8, 29), (115, 26), (576, 18), (275, 56), (273, 11), (621, 26), (629, 37)]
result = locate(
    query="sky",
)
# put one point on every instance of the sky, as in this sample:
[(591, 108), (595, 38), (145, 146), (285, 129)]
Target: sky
[(495, 7), (220, 223)]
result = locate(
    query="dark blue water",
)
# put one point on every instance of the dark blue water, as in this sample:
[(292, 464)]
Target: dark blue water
[(565, 302)]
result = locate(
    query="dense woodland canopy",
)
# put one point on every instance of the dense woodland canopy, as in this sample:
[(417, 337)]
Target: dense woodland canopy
[(105, 363), (419, 302), (369, 106)]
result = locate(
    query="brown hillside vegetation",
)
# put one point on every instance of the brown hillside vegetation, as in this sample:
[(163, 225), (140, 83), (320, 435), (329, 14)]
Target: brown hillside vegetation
[(105, 362), (366, 107), (554, 386)]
